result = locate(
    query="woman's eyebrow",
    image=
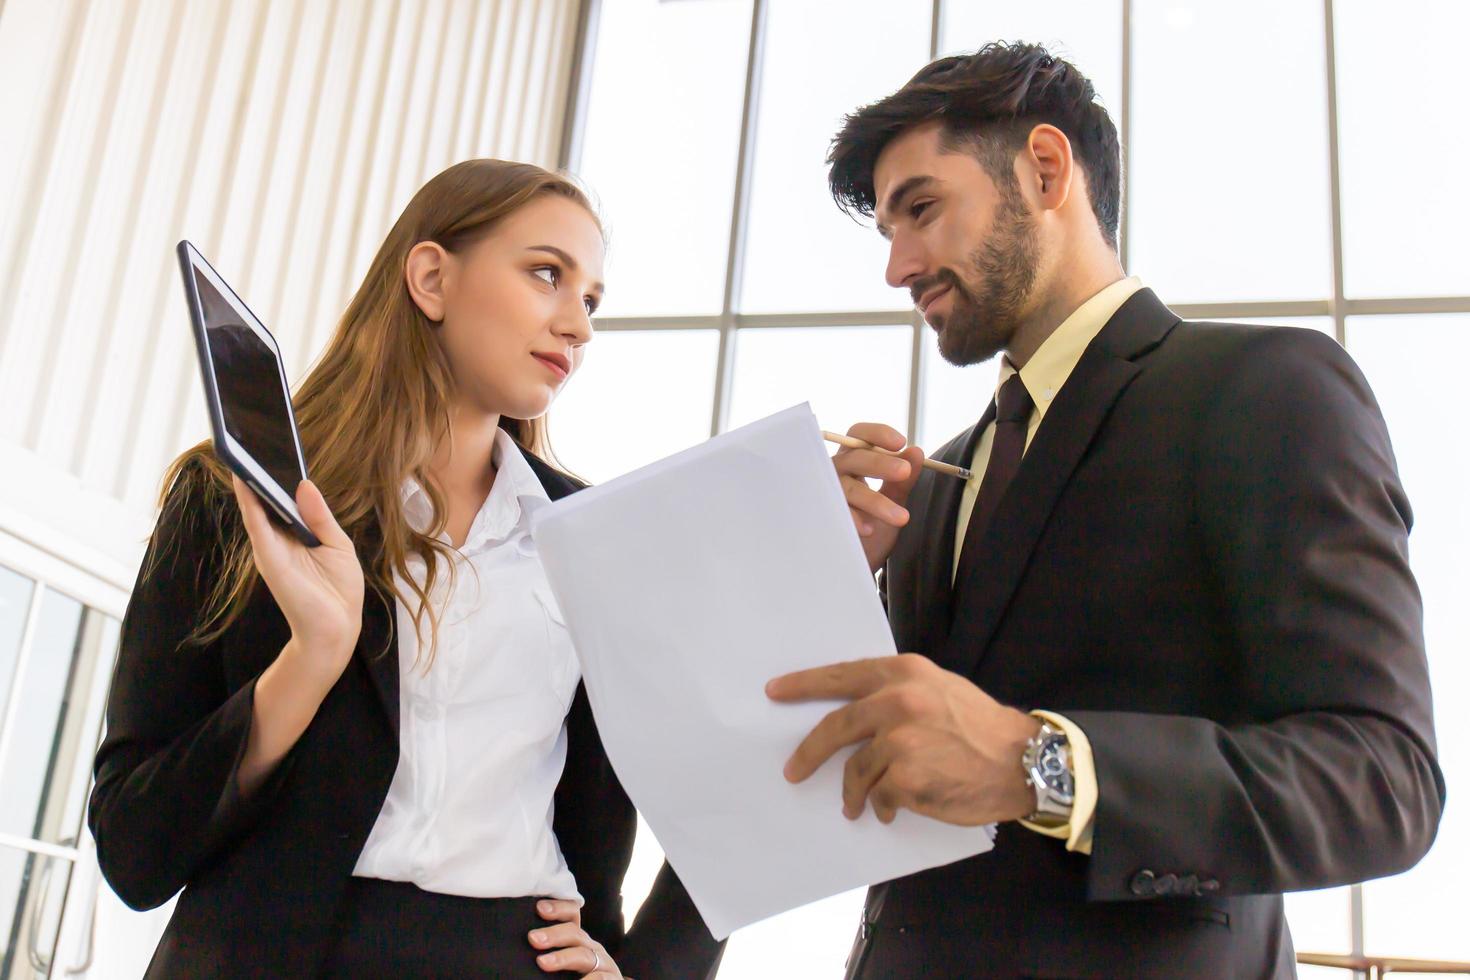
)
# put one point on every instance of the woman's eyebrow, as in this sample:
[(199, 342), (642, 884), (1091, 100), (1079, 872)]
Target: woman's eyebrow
[(566, 257)]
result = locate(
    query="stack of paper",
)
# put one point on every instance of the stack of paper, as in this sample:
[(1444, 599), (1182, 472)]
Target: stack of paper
[(687, 585)]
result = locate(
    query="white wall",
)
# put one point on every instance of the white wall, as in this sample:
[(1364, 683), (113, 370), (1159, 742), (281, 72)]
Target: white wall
[(282, 137)]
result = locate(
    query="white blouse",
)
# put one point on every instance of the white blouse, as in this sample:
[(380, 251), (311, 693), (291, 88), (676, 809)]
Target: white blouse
[(481, 736)]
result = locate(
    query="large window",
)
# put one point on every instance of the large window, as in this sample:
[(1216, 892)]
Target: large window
[(1289, 163)]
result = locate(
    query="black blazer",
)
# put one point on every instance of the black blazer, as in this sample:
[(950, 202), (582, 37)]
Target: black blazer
[(262, 876), (1203, 563)]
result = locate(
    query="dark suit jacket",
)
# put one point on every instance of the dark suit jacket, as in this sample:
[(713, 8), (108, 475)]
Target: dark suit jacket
[(1203, 563), (262, 876)]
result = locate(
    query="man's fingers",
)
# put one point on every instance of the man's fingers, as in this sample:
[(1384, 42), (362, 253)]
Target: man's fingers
[(847, 681), (871, 503), (865, 463), (885, 802), (841, 727), (863, 769), (878, 434), (898, 490)]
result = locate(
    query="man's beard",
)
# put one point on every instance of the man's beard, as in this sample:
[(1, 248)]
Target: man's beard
[(979, 325)]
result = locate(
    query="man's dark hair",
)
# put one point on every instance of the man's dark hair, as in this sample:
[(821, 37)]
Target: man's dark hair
[(989, 102)]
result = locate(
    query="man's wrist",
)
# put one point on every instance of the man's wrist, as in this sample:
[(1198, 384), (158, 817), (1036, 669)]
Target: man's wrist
[(1047, 763)]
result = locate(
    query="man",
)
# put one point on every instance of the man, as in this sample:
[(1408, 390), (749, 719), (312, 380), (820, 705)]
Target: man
[(1167, 636)]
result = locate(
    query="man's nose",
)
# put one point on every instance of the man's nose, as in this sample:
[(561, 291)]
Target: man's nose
[(905, 262)]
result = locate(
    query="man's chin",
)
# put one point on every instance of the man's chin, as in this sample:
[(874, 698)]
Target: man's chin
[(962, 349)]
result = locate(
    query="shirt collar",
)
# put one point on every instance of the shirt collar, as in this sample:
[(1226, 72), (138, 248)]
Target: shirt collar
[(515, 493), (1054, 361)]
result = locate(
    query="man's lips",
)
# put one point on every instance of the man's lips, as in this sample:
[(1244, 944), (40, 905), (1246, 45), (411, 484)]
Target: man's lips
[(928, 298)]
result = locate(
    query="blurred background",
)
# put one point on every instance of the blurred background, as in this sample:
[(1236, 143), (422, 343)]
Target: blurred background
[(1287, 161)]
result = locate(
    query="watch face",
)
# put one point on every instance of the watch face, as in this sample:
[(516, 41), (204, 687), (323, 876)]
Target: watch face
[(1053, 768)]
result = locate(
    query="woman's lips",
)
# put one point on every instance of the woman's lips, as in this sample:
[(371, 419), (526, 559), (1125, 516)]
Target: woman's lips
[(553, 365)]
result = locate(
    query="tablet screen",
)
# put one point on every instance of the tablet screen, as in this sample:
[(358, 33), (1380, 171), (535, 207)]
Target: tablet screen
[(252, 393)]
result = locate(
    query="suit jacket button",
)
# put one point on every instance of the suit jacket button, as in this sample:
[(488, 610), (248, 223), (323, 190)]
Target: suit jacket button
[(1142, 884), (1166, 884)]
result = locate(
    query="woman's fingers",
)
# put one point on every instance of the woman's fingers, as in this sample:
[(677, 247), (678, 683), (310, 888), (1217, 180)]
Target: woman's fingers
[(569, 948), (264, 538), (559, 935), (318, 516), (559, 910)]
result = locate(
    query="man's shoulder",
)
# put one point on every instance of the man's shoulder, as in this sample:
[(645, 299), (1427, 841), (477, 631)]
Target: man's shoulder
[(1212, 350)]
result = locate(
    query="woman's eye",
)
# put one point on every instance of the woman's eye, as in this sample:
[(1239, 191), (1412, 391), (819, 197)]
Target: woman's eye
[(548, 274), (590, 303)]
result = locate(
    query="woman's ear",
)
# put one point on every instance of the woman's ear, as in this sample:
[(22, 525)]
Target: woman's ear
[(424, 273)]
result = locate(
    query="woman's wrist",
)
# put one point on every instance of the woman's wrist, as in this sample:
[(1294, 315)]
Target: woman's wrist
[(317, 664), (287, 696)]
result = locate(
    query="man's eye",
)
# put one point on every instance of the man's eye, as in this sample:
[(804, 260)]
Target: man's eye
[(548, 274), (918, 208)]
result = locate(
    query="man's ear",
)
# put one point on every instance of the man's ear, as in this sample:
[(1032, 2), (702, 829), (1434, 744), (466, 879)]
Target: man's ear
[(1047, 159), (424, 274)]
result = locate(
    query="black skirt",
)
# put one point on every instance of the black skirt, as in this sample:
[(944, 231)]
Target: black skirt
[(396, 929)]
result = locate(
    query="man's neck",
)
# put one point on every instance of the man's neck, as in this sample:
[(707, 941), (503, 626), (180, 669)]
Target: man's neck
[(1052, 309)]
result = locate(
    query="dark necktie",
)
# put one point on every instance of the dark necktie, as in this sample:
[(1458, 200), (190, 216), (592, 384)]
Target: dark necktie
[(1012, 411)]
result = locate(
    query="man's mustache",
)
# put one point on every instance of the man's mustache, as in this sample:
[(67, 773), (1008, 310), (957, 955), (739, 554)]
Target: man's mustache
[(944, 277)]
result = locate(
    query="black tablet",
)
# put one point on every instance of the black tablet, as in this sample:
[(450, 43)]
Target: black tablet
[(246, 391)]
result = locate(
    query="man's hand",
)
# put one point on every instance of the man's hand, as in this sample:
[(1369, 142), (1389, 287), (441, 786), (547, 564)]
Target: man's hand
[(878, 514), (936, 743)]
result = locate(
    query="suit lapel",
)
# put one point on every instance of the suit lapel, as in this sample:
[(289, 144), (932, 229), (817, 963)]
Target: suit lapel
[(1104, 372)]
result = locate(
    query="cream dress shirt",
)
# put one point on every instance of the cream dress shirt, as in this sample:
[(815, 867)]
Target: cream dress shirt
[(481, 736), (1043, 376)]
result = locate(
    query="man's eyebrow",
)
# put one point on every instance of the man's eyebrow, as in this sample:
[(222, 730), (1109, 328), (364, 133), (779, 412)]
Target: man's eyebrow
[(565, 256), (896, 198)]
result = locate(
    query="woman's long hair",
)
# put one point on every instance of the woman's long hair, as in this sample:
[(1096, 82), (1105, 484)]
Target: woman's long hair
[(376, 404)]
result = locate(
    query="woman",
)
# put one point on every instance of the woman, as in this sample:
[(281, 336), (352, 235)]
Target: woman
[(349, 757)]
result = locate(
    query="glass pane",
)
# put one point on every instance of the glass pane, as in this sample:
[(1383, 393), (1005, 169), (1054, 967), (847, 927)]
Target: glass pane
[(1088, 33), (35, 731), (643, 869), (32, 892), (812, 941), (822, 62), (849, 374), (953, 398), (638, 396), (663, 134), (1406, 205), (1321, 921), (1230, 196), (15, 601), (1415, 365)]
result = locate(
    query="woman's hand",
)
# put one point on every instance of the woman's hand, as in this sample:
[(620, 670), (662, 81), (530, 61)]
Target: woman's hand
[(568, 947), (320, 590)]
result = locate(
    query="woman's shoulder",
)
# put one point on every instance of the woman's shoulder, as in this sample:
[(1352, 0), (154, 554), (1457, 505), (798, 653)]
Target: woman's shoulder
[(197, 513)]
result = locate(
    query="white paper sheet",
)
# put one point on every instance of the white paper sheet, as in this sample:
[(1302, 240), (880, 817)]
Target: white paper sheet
[(687, 585)]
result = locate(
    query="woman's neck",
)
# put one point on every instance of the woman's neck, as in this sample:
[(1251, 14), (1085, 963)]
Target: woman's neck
[(462, 467)]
